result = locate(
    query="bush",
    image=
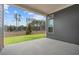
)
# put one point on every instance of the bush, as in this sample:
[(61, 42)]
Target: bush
[(29, 29)]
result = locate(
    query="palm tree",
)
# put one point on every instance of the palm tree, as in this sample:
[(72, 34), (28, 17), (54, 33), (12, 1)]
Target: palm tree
[(17, 18)]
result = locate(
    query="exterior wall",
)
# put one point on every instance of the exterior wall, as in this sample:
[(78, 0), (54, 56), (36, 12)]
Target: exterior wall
[(66, 25), (1, 27)]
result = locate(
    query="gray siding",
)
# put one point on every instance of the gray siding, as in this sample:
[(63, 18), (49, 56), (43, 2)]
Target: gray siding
[(66, 25)]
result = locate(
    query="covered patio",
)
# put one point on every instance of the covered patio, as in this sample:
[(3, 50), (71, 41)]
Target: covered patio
[(44, 46)]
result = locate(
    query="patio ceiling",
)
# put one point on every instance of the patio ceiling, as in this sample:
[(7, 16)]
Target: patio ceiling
[(44, 8)]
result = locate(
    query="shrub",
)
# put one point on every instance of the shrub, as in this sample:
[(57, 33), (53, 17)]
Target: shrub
[(29, 29)]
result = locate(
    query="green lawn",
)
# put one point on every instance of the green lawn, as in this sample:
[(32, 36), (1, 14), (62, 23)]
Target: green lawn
[(18, 39)]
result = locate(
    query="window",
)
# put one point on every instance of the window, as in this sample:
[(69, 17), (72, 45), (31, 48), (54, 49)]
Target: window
[(50, 24)]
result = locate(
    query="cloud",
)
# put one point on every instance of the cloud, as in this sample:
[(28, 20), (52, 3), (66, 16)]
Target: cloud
[(22, 17), (25, 11), (6, 11), (15, 11), (6, 6), (30, 13), (39, 17), (36, 16)]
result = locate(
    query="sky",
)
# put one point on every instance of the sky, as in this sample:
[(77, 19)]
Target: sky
[(10, 10)]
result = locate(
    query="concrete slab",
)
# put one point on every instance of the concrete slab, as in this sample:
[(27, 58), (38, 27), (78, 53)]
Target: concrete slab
[(44, 46)]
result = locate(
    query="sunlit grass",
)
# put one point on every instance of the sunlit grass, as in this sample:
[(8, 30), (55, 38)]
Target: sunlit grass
[(18, 39)]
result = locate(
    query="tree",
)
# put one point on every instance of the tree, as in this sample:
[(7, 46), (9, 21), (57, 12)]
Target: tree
[(17, 18), (38, 24), (42, 25), (11, 28), (29, 29)]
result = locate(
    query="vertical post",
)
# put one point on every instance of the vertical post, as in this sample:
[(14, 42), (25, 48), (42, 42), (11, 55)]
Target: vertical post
[(1, 26)]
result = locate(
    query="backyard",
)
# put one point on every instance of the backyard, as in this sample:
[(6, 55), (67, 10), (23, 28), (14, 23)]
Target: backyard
[(22, 25), (22, 38)]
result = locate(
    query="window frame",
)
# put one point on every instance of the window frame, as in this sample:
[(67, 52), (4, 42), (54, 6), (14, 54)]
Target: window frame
[(50, 17)]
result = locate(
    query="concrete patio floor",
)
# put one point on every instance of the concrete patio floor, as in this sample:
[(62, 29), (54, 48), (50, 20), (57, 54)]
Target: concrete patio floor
[(43, 46)]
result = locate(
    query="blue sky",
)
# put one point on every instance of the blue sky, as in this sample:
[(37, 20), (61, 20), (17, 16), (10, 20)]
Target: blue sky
[(10, 10)]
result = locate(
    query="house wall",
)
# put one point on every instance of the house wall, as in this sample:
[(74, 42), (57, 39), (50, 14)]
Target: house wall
[(66, 25), (1, 27)]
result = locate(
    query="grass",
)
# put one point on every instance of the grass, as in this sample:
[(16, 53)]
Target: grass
[(18, 39)]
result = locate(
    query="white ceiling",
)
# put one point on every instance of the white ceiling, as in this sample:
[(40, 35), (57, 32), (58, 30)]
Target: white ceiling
[(44, 8)]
